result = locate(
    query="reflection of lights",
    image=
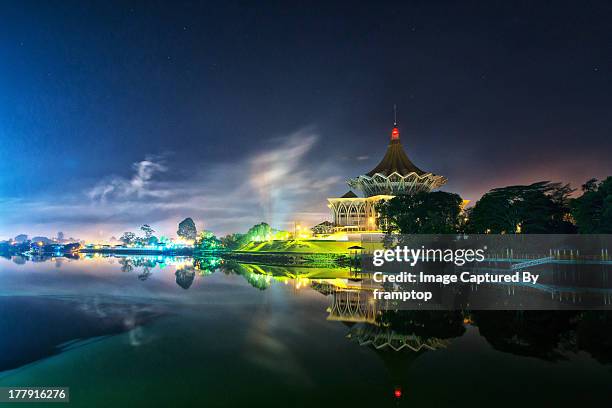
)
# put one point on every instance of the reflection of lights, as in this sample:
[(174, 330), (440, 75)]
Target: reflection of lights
[(299, 282), (181, 242)]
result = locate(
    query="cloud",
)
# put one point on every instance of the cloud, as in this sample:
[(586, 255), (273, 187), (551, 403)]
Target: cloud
[(118, 187), (278, 184)]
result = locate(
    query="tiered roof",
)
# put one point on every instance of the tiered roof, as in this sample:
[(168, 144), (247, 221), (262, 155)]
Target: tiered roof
[(395, 161), (396, 174)]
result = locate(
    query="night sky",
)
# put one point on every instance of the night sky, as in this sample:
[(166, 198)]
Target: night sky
[(114, 114)]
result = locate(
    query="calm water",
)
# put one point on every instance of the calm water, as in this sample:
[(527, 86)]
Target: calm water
[(177, 332)]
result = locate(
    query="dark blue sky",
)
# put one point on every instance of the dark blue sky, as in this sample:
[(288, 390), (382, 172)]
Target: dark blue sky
[(117, 113)]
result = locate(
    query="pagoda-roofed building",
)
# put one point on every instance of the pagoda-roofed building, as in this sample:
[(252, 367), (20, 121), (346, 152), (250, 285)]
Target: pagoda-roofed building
[(394, 175)]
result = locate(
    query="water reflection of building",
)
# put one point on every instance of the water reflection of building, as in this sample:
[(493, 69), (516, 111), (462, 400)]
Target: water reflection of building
[(386, 338), (352, 300), (352, 306), (399, 336), (352, 303), (394, 175)]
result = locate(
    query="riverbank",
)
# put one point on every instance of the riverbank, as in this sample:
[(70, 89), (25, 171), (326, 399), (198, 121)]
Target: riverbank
[(139, 251), (297, 252), (275, 252)]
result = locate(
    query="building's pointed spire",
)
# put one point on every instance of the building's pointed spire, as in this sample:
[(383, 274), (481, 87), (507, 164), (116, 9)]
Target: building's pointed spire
[(395, 132), (394, 115)]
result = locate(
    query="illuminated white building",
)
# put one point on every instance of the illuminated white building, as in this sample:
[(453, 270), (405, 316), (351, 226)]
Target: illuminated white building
[(394, 175)]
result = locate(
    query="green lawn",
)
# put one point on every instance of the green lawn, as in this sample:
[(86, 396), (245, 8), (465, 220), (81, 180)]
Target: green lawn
[(301, 246)]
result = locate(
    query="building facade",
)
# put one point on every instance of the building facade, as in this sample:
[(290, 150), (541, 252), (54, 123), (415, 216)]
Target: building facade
[(394, 175)]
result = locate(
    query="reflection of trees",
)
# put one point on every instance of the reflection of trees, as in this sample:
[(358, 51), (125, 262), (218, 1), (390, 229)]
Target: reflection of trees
[(548, 335), (144, 262), (146, 265), (185, 276), (126, 265), (207, 265), (526, 333), (594, 335), (19, 260), (261, 282), (145, 273), (129, 264), (252, 274)]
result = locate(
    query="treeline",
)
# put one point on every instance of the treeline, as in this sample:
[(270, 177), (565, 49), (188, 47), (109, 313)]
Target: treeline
[(204, 240), (538, 208), (258, 232)]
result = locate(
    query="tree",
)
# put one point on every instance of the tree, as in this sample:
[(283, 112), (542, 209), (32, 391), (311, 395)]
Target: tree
[(21, 238), (538, 208), (128, 238), (208, 241), (187, 229), (259, 232), (234, 241), (422, 213), (593, 210), (590, 185), (44, 240), (148, 231)]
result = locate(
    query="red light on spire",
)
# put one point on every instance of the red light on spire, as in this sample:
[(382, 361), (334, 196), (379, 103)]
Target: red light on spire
[(395, 133), (397, 393)]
